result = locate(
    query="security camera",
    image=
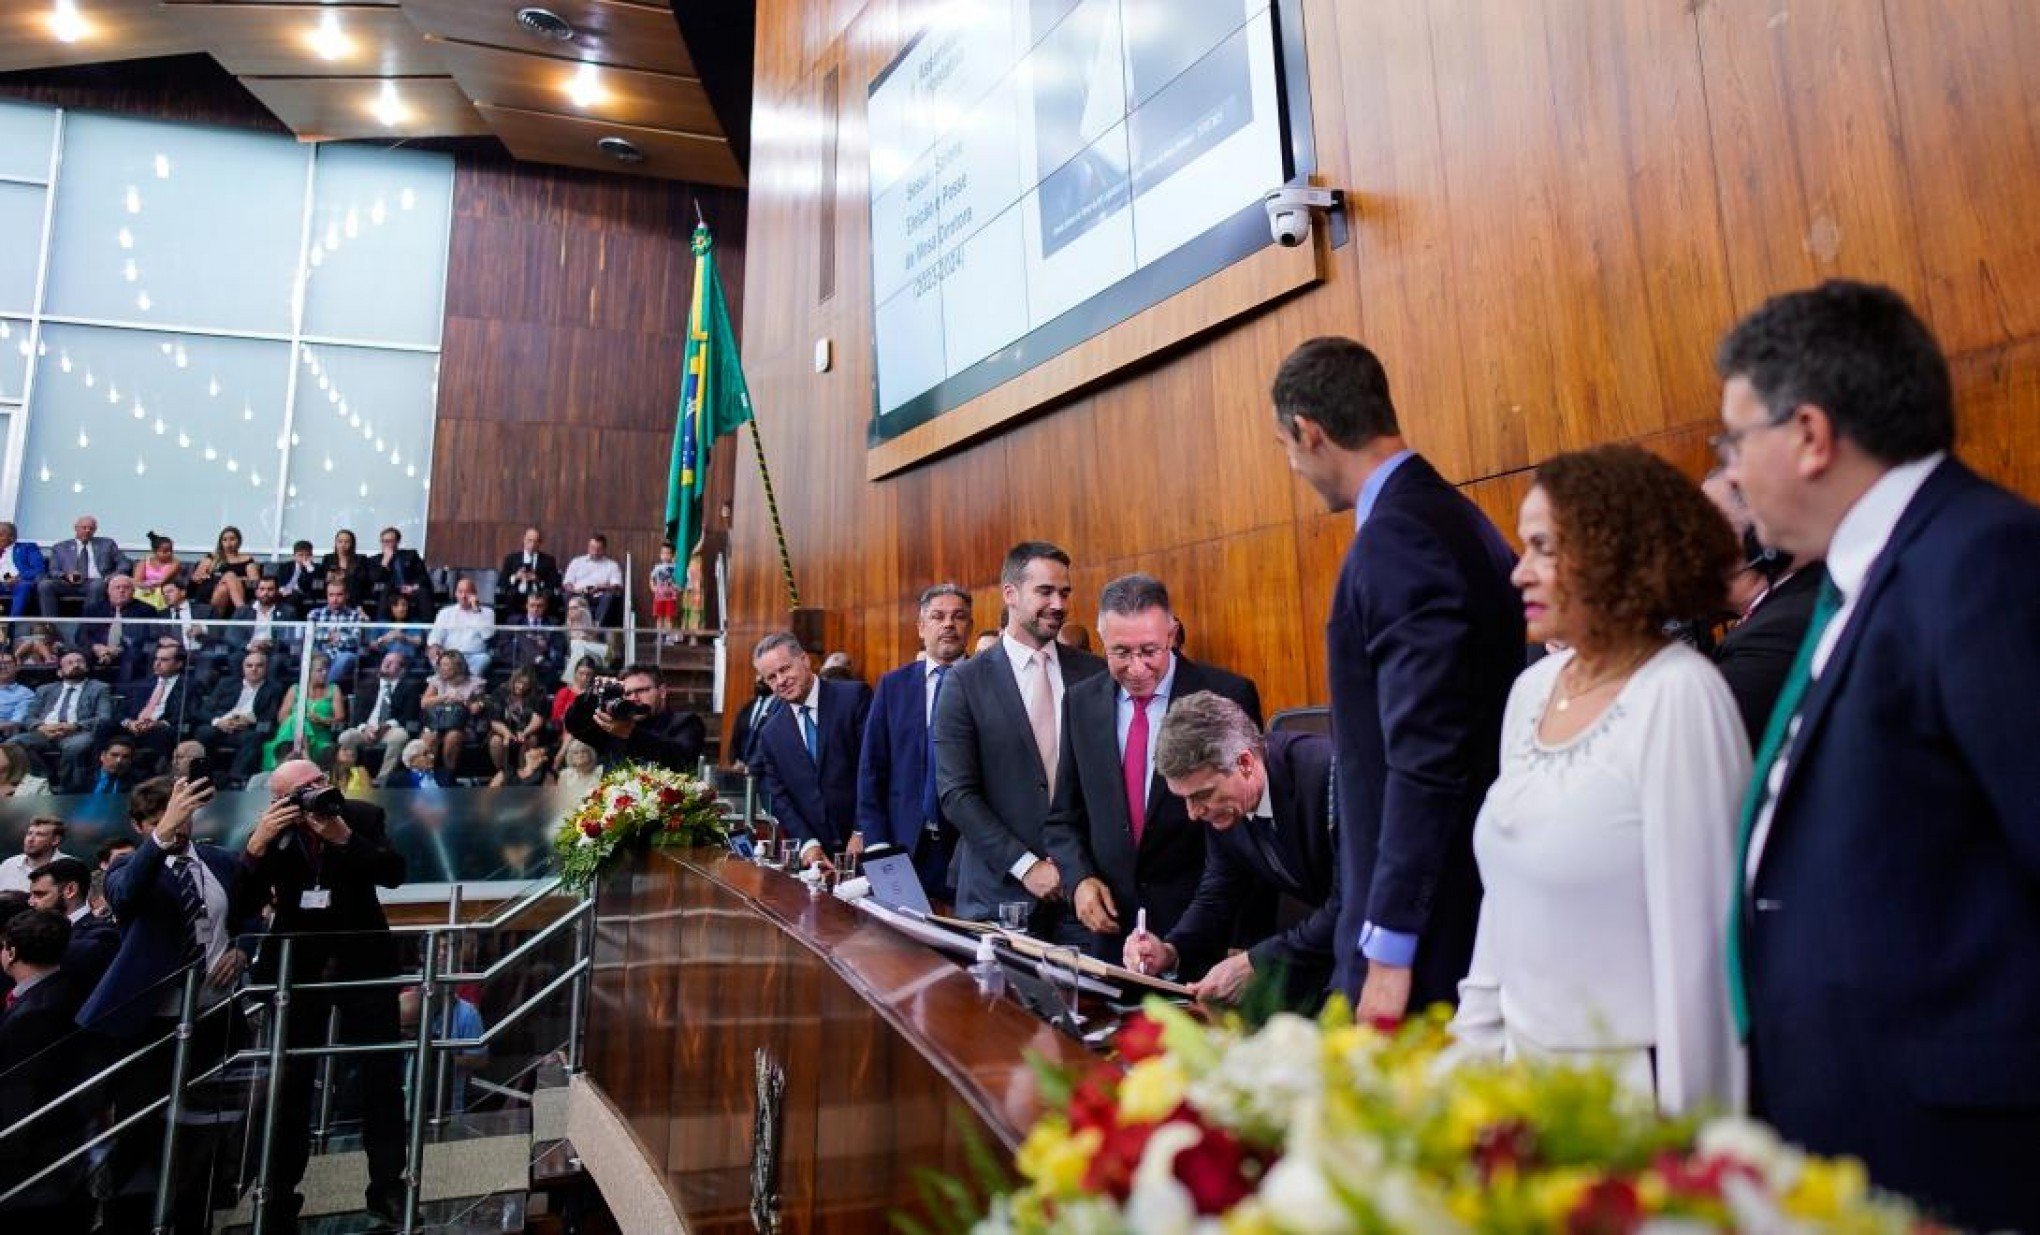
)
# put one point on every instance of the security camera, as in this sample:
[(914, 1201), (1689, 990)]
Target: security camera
[(1289, 210)]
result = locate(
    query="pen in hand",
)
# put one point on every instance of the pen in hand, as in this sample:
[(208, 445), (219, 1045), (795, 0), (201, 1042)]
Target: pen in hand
[(1140, 929)]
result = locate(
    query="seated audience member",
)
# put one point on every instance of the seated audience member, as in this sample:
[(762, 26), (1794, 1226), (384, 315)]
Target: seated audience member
[(465, 626), (580, 768), (533, 768), (525, 644), (578, 681), (116, 629), (268, 631), (336, 630), (17, 774), (79, 567), (837, 667), (112, 775), (181, 620), (526, 573), (17, 702), (184, 756), (1266, 805), (39, 644), (160, 567), (585, 641), (388, 707), (344, 565), (396, 571), (348, 776), (325, 715), (299, 582), (21, 568), (34, 1030), (1606, 845), (65, 887), (225, 578), (41, 844), (598, 579), (240, 715), (69, 714), (395, 633), (669, 738), (455, 708), (517, 720), (153, 711), (418, 768)]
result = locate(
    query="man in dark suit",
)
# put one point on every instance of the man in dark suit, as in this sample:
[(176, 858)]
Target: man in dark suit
[(387, 708), (896, 800), (1124, 843), (21, 568), (1268, 804), (66, 718), (65, 887), (152, 712), (998, 735), (528, 572), (806, 754), (117, 631), (240, 715), (397, 571), (1424, 637), (745, 727), (524, 643), (79, 567), (1770, 601), (319, 859), (1886, 938), (33, 1027), (300, 583), (112, 774)]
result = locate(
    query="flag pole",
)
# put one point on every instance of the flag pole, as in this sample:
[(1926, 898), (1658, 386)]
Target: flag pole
[(778, 529)]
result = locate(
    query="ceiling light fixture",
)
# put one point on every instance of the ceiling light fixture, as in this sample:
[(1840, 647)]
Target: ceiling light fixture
[(328, 40), (545, 23), (389, 108), (585, 87), (621, 149), (67, 24)]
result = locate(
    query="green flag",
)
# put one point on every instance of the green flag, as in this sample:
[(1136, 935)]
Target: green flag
[(713, 398)]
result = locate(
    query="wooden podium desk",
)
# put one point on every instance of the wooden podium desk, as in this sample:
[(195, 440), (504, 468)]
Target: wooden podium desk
[(888, 1050)]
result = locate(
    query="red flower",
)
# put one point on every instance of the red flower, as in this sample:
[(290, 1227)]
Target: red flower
[(1218, 1171), (1700, 1177), (1509, 1146), (1385, 1024), (1610, 1207), (625, 802), (1140, 1037), (591, 827), (1112, 1167), (1094, 1103), (675, 822), (670, 798)]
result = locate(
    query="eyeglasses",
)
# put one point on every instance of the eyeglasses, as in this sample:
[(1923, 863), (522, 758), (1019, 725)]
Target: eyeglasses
[(1727, 445), (1150, 652)]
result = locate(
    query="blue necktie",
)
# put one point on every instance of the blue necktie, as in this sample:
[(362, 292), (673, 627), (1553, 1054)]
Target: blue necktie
[(931, 802), (807, 733)]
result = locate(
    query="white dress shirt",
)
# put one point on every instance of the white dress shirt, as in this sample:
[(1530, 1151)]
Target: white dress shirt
[(461, 630), (1607, 862), (584, 573), (1022, 659), (244, 705)]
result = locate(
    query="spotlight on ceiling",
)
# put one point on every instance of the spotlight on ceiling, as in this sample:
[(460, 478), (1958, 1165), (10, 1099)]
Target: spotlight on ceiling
[(389, 106), (620, 149), (545, 23), (67, 24), (328, 40), (585, 87)]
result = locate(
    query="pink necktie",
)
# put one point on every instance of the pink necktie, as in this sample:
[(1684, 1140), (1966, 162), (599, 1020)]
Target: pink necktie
[(1041, 715), (1134, 765), (154, 707)]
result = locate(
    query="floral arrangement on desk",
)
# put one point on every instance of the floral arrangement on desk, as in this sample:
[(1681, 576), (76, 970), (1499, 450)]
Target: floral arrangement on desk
[(634, 802), (1318, 1128)]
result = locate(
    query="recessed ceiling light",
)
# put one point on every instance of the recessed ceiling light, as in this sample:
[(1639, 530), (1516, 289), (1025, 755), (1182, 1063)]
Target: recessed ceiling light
[(545, 23), (328, 40), (621, 149), (585, 87), (67, 24), (389, 107)]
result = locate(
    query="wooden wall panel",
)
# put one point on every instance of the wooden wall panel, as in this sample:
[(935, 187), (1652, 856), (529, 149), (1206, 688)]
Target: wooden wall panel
[(1559, 205)]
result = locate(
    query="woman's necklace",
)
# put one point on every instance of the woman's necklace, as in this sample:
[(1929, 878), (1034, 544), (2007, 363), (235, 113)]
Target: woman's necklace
[(1567, 697)]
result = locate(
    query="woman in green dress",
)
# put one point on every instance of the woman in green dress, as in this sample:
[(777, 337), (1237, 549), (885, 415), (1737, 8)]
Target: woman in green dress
[(325, 717)]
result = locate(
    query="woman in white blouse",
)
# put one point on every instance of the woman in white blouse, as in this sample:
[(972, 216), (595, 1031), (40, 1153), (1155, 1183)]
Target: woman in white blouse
[(1606, 844)]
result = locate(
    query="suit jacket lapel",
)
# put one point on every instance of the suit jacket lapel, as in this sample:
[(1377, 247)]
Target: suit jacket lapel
[(1096, 740), (1006, 698)]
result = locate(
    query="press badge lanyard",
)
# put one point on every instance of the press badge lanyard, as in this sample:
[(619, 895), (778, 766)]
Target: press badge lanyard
[(317, 896)]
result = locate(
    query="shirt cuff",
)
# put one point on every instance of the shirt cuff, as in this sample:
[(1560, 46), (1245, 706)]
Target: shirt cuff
[(809, 844), (1020, 868), (1387, 947)]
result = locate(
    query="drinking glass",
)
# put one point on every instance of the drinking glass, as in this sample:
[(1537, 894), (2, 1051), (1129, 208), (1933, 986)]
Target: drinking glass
[(1013, 915)]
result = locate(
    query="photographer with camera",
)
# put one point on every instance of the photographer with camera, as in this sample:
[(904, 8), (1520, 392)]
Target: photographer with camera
[(319, 858), (626, 717)]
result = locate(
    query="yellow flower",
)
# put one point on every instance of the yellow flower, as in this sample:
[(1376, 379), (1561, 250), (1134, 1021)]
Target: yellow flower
[(1248, 1218), (1152, 1088), (1556, 1193), (1055, 1160), (1826, 1189), (1466, 1113)]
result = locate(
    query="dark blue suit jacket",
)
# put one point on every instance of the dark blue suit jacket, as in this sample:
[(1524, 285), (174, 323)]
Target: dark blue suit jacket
[(1893, 938), (893, 771), (1425, 636), (810, 802), (152, 936), (29, 567)]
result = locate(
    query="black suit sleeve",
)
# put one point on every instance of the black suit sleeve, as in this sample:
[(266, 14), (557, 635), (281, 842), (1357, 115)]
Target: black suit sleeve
[(677, 745), (1066, 833), (1308, 942), (1206, 927)]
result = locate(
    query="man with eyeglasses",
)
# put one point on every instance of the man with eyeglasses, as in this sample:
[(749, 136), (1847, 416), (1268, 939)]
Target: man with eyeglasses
[(1124, 843), (655, 735)]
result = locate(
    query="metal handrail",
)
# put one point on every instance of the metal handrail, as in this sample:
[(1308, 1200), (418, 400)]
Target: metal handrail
[(410, 979)]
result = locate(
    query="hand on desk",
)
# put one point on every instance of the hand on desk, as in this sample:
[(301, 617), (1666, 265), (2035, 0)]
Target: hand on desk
[(1226, 980)]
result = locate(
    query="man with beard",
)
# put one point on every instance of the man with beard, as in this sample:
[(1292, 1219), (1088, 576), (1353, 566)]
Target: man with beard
[(998, 734), (896, 800), (65, 718)]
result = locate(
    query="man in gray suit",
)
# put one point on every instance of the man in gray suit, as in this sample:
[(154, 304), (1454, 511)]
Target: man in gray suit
[(998, 730), (64, 719), (80, 567)]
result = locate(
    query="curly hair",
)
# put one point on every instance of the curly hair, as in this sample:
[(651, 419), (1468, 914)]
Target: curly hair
[(1639, 544)]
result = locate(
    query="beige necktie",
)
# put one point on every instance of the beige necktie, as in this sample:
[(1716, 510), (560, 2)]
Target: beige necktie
[(1041, 714)]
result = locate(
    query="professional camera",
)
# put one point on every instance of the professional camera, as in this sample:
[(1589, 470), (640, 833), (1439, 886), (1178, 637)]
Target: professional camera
[(1289, 210), (610, 701), (318, 800)]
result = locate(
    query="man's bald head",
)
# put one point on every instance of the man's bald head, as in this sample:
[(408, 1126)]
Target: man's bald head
[(291, 776)]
